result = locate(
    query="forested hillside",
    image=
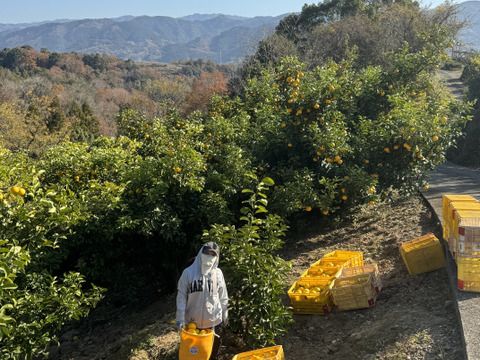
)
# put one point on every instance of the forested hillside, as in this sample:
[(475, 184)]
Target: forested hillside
[(74, 96), (114, 172)]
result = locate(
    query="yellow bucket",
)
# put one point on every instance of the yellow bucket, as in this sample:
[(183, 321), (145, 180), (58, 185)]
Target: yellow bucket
[(196, 346)]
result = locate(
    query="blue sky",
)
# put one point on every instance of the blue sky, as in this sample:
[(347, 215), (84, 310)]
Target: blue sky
[(40, 10)]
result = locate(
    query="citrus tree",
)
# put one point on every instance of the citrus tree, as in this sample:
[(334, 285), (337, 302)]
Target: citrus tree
[(34, 303), (255, 273), (336, 136)]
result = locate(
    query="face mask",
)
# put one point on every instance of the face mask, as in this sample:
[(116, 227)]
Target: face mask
[(207, 263)]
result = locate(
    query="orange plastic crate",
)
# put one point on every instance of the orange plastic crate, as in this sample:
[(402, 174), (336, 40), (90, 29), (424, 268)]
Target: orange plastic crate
[(356, 257), (321, 273), (270, 353), (468, 274), (422, 254), (318, 299)]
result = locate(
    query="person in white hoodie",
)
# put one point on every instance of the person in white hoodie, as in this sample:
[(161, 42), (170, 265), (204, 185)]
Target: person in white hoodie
[(202, 296)]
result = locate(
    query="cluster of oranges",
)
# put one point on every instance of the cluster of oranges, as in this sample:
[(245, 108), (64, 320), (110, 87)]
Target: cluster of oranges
[(15, 190), (192, 329), (307, 289)]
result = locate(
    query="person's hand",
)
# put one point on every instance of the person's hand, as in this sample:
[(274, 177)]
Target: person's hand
[(180, 325)]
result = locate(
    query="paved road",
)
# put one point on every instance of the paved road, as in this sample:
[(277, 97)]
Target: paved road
[(454, 179)]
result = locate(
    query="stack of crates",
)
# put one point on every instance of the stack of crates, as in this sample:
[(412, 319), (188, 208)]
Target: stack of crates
[(422, 254), (269, 353), (311, 294), (449, 203), (464, 221), (463, 230)]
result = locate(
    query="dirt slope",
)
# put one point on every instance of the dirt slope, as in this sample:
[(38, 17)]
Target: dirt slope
[(414, 317)]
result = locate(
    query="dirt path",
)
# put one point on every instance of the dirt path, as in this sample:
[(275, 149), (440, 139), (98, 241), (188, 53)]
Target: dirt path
[(452, 80)]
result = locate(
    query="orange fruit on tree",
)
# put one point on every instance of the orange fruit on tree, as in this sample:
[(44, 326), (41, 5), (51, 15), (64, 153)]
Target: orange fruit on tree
[(15, 190), (21, 191), (177, 169)]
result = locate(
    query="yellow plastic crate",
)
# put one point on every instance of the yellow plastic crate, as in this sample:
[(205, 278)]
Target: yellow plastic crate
[(331, 262), (321, 273), (317, 302), (353, 292), (447, 199), (462, 214), (269, 353), (468, 243), (454, 206), (465, 246), (356, 257), (365, 269), (468, 274), (422, 254)]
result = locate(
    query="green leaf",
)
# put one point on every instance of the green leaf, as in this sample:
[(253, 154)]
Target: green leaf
[(268, 181)]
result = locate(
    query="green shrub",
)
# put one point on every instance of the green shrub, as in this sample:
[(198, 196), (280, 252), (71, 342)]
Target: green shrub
[(254, 272)]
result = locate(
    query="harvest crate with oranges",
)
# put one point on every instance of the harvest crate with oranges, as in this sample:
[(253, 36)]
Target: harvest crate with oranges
[(312, 294)]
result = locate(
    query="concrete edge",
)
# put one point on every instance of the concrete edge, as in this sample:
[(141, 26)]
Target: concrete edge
[(452, 274)]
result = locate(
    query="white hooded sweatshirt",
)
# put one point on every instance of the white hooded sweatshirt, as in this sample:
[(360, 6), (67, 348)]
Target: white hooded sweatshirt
[(196, 299)]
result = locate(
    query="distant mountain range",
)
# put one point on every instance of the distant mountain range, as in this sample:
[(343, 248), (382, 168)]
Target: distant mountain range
[(470, 35), (217, 37)]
